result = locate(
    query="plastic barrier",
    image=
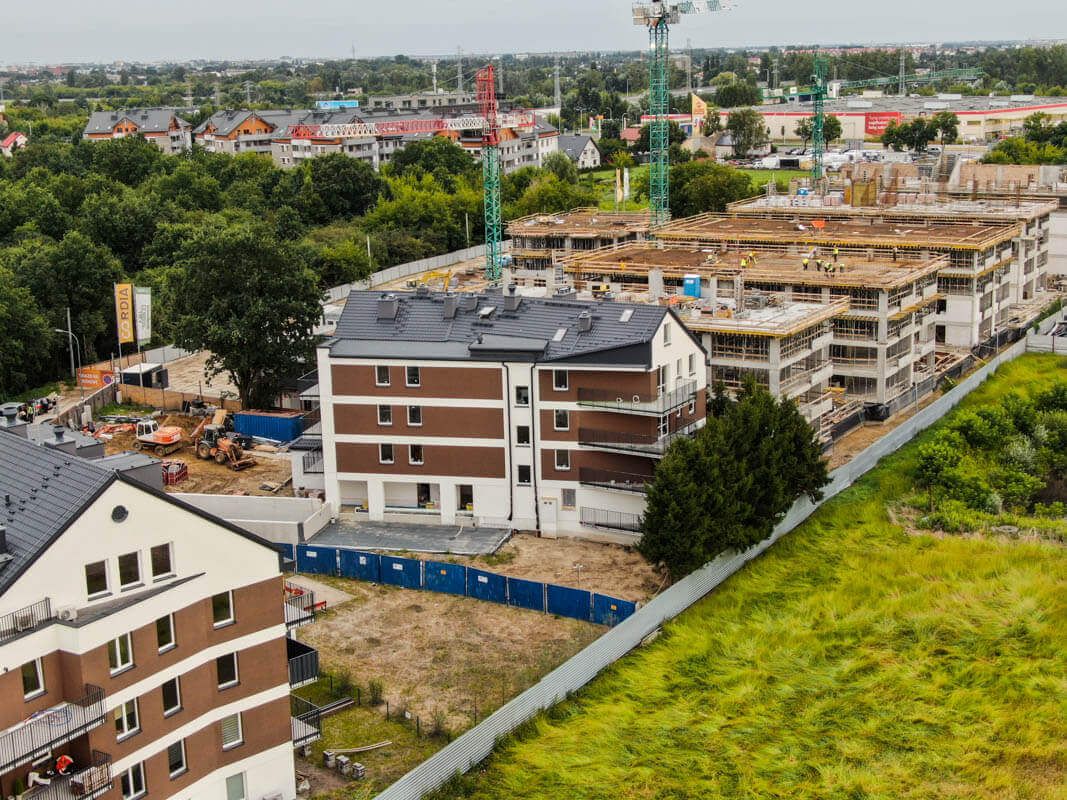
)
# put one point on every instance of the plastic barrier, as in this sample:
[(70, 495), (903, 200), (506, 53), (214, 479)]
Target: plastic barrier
[(446, 578), (526, 594), (611, 611), (566, 602), (487, 586), (406, 572), (361, 566)]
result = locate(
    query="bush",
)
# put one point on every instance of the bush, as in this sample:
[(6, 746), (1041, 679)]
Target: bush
[(952, 517), (376, 692)]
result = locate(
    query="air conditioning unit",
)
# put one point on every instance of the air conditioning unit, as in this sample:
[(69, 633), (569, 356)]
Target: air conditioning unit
[(67, 613)]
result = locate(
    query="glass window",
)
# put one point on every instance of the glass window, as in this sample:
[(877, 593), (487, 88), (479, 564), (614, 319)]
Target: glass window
[(120, 653), (385, 415), (161, 561), (96, 578), (563, 459), (222, 609), (413, 376), (176, 758), (524, 474), (132, 782), (560, 380), (561, 419), (165, 632), (129, 569), (692, 364), (414, 415), (385, 453), (126, 721), (415, 454), (172, 697), (522, 435), (522, 395), (381, 376), (235, 787), (32, 679), (569, 498), (231, 731), (226, 667), (667, 333)]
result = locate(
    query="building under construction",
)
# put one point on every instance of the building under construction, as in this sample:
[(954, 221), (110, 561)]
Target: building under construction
[(540, 240)]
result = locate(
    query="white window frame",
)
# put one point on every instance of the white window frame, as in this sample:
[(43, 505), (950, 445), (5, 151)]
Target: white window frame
[(666, 334), (244, 786), (387, 417), (518, 472), (381, 454), (418, 410), (556, 385), (123, 729), (563, 499), (377, 376), (232, 618), (236, 672), (39, 669), (518, 402), (170, 560), (411, 455), (692, 405), (168, 712), (107, 580), (114, 643), (563, 467), (407, 377), (164, 648), (528, 440), (555, 419), (128, 776), (185, 762), (138, 581), (692, 364), (240, 731)]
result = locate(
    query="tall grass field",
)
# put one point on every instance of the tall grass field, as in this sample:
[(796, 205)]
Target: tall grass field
[(853, 661)]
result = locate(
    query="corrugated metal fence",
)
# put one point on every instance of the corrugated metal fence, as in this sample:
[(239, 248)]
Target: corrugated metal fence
[(457, 579), (477, 743)]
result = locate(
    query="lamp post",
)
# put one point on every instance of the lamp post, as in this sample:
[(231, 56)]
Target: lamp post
[(72, 338)]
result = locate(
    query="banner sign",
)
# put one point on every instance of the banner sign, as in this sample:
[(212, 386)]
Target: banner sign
[(91, 378), (699, 108), (876, 122), (124, 311), (142, 311)]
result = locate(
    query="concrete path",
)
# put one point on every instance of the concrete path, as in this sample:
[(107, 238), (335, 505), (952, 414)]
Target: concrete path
[(458, 540), (332, 596)]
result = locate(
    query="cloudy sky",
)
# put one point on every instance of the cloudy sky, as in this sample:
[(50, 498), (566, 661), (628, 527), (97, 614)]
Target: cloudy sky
[(106, 30)]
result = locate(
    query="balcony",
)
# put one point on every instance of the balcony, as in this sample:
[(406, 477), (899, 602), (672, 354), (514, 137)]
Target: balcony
[(299, 606), (306, 721), (611, 520), (84, 784), (611, 400), (25, 619), (652, 444), (612, 479), (37, 736), (313, 462), (303, 663)]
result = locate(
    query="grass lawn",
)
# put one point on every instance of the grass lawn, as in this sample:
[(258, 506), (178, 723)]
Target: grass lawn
[(123, 409), (851, 661)]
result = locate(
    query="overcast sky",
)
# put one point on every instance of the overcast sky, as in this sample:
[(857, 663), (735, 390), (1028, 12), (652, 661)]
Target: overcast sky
[(107, 30)]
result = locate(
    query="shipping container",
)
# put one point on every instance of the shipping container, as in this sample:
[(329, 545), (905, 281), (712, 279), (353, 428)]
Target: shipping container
[(280, 426)]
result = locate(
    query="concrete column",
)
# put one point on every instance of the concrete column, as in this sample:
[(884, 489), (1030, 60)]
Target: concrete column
[(376, 500), (448, 501), (774, 356)]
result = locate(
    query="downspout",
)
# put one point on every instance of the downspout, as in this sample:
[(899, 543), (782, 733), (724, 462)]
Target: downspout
[(535, 467), (508, 444)]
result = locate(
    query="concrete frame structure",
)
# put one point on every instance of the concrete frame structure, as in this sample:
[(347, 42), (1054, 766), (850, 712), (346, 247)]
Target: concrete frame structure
[(539, 241)]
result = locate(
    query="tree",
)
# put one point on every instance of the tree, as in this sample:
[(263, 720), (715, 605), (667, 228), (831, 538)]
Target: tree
[(549, 195), (831, 129), (914, 135), (748, 129), (27, 336), (947, 126), (129, 160), (701, 186), (560, 165), (438, 156), (252, 302), (733, 95), (675, 135), (342, 187)]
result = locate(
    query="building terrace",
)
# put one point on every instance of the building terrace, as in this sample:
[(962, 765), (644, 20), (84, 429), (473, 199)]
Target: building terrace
[(540, 239)]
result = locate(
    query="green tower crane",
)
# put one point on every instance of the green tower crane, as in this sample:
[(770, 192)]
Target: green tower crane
[(658, 16), (818, 99), (485, 89)]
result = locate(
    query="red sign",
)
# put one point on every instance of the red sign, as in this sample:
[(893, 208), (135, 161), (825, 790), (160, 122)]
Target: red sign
[(877, 121), (90, 378)]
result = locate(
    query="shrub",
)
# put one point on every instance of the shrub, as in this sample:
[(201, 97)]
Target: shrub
[(376, 692), (952, 517)]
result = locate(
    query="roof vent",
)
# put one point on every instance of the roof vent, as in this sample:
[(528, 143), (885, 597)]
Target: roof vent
[(485, 312), (512, 298), (451, 305), (388, 305), (59, 430), (585, 322), (566, 293), (468, 302), (5, 554), (422, 290)]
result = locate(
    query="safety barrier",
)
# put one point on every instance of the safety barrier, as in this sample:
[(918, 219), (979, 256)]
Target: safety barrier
[(462, 581)]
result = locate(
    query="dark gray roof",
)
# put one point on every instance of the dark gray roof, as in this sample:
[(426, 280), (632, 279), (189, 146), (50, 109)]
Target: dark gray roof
[(126, 460), (45, 434), (529, 333), (147, 120), (226, 121), (42, 491), (574, 145)]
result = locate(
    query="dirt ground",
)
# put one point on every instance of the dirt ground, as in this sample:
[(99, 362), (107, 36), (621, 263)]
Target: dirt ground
[(187, 375), (207, 477), (859, 439), (437, 653)]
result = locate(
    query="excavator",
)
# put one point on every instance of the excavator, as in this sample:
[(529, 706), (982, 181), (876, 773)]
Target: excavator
[(212, 441), (159, 440)]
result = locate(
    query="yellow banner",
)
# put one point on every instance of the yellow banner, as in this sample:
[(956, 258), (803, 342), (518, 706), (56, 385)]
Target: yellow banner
[(124, 311), (700, 108)]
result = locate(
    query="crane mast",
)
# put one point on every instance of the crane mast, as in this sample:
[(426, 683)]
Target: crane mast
[(485, 86), (818, 122)]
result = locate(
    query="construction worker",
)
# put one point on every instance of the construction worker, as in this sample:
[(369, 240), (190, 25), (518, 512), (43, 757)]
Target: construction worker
[(805, 263), (744, 262), (752, 256), (836, 253)]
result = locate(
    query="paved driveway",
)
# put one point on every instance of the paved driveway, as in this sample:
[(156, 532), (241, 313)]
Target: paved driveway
[(459, 540)]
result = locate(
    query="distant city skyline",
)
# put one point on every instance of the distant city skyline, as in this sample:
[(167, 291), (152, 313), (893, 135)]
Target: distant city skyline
[(106, 31)]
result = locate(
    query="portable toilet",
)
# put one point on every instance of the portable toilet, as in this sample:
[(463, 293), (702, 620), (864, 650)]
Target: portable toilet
[(691, 286)]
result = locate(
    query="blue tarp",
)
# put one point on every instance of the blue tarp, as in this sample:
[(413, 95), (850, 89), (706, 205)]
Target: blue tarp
[(487, 586), (447, 578), (361, 566), (526, 594), (287, 550), (316, 560), (406, 572), (567, 602), (611, 611)]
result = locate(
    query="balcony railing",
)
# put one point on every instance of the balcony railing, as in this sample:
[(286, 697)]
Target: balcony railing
[(25, 619), (303, 663), (636, 442), (612, 520), (614, 400), (299, 606), (306, 721), (83, 784), (46, 730), (612, 479), (313, 463)]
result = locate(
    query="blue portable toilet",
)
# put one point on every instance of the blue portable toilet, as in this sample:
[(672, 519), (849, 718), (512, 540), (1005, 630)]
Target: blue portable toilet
[(691, 286)]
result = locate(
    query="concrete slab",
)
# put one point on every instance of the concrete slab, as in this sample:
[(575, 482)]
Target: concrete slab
[(323, 591), (459, 540)]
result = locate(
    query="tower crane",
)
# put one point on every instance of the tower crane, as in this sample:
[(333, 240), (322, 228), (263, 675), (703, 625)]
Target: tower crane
[(818, 122), (658, 16), (488, 123)]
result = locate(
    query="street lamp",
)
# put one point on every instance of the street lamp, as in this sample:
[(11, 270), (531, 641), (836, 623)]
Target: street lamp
[(72, 336)]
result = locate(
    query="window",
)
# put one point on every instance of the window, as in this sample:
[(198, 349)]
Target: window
[(414, 415), (172, 697), (381, 376), (385, 453), (126, 721), (231, 732), (692, 364), (415, 454), (129, 570), (120, 653), (414, 377), (524, 474), (165, 633), (176, 758), (522, 395), (132, 782), (560, 380), (522, 435), (385, 415), (692, 405), (561, 420), (563, 459), (226, 668), (667, 334), (235, 787), (568, 498), (96, 578), (222, 609), (161, 561), (32, 679)]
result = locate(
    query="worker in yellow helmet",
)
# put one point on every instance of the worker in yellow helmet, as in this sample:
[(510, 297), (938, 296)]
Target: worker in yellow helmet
[(744, 262), (752, 256), (805, 262), (837, 252)]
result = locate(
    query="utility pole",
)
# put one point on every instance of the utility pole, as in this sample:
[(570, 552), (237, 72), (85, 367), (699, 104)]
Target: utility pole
[(500, 78), (689, 64), (433, 72), (774, 73), (248, 93), (459, 70), (558, 96), (903, 64)]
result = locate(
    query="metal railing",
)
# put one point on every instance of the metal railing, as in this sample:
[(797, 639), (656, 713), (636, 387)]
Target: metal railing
[(307, 381), (48, 729), (624, 440), (313, 462), (299, 606), (612, 479), (612, 520), (25, 619), (616, 400), (303, 663), (305, 719), (84, 784)]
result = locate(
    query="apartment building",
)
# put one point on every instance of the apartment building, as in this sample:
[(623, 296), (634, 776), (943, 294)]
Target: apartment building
[(422, 101), (503, 410), (161, 126), (236, 131), (517, 148), (540, 240), (144, 642)]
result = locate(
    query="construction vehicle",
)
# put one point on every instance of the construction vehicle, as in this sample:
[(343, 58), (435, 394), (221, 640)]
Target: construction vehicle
[(160, 440), (426, 278), (212, 441)]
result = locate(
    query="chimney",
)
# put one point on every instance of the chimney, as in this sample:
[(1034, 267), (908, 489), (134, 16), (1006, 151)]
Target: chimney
[(451, 305), (388, 305), (468, 302), (4, 553), (59, 430), (512, 298), (585, 322), (566, 293)]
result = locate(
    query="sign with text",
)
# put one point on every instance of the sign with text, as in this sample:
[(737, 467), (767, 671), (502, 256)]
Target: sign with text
[(124, 312), (876, 122), (142, 312), (91, 378)]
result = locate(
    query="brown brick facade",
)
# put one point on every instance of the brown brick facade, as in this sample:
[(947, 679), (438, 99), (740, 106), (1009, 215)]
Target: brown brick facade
[(453, 382), (474, 462), (626, 384), (468, 423)]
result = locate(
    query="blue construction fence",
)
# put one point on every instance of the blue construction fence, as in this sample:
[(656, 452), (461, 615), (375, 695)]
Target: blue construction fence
[(460, 580)]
